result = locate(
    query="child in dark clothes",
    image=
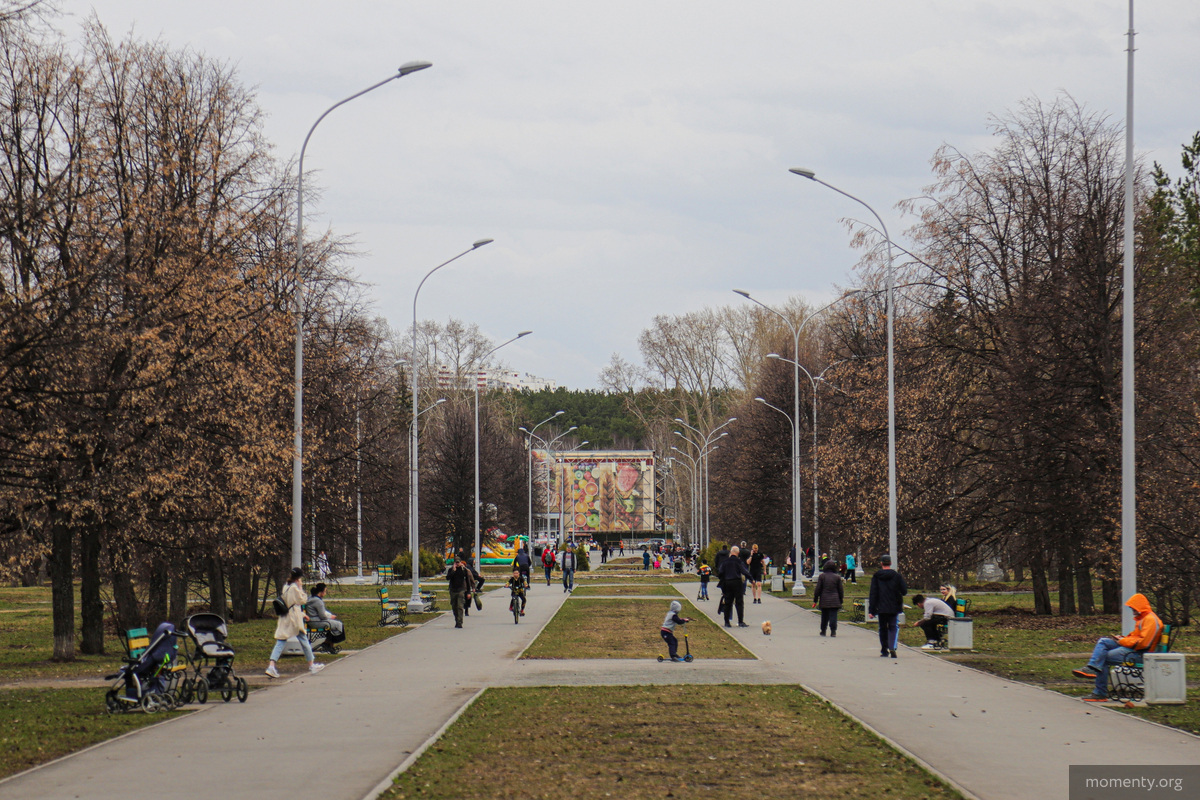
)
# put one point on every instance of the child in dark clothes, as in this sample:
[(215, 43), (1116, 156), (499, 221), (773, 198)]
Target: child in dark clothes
[(668, 629)]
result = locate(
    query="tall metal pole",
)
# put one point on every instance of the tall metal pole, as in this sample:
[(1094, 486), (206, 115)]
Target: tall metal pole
[(358, 482), (891, 358), (1128, 388), (478, 533), (415, 605), (298, 402)]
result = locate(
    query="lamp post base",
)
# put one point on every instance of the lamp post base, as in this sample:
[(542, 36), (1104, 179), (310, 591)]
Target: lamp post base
[(360, 580), (415, 606), (798, 589)]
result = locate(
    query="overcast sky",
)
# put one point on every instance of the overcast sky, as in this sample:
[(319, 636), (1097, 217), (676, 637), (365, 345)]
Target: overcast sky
[(630, 158)]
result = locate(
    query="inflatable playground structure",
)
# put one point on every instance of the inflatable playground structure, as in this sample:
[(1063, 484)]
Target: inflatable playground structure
[(501, 550)]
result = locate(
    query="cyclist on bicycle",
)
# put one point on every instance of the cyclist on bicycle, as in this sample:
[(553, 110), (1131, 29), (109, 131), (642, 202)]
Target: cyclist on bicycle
[(516, 585)]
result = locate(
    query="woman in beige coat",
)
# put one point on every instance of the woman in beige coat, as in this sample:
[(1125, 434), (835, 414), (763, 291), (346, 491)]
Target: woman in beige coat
[(292, 624)]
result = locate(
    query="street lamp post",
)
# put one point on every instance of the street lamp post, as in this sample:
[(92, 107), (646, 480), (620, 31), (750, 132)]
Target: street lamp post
[(562, 498), (529, 454), (478, 551), (547, 445), (891, 358), (798, 585), (816, 497), (298, 414), (706, 531), (694, 503), (415, 606)]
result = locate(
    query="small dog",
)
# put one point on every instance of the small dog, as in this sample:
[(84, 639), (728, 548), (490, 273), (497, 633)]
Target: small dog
[(766, 626)]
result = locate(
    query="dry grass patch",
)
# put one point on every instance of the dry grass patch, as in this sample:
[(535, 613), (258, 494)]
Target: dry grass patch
[(656, 589), (652, 742), (594, 628)]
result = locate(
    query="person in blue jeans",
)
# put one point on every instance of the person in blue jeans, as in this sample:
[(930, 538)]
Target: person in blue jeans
[(886, 602), (568, 568), (1111, 650)]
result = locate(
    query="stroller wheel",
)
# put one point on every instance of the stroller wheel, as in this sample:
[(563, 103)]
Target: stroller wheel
[(112, 703), (227, 693), (150, 703), (242, 690), (201, 691), (185, 692)]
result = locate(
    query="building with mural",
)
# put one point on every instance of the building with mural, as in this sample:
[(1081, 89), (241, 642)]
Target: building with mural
[(605, 495)]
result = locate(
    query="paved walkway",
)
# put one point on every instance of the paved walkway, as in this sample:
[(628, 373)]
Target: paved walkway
[(365, 714)]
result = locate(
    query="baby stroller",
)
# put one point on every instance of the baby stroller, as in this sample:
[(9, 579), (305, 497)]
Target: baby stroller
[(211, 652), (150, 677)]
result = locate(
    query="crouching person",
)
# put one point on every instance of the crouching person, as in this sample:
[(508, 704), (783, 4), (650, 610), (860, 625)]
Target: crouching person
[(937, 612), (1111, 650)]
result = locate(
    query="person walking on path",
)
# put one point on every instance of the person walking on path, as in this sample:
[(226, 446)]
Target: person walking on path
[(461, 580), (828, 595), (850, 565), (291, 624), (645, 558), (733, 576), (885, 603), (548, 562), (568, 568), (756, 573)]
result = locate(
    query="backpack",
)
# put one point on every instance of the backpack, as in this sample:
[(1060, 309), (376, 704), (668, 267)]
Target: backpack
[(280, 607)]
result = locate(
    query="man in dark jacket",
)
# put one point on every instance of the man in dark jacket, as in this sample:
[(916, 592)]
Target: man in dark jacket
[(461, 581), (885, 602), (522, 563), (733, 571)]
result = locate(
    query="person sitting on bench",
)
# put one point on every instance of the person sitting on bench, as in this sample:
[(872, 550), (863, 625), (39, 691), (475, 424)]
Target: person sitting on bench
[(321, 619), (936, 614), (1111, 650)]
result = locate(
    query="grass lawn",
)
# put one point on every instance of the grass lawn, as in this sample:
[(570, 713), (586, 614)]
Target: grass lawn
[(588, 628), (26, 639), (728, 741), (39, 725), (656, 589)]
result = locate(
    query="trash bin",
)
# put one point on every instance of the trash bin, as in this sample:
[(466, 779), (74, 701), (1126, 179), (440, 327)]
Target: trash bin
[(1165, 677), (776, 583), (961, 633)]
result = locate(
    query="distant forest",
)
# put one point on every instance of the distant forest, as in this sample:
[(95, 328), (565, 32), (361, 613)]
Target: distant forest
[(603, 418)]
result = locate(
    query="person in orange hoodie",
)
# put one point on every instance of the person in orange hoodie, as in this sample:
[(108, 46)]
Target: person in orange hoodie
[(1111, 650)]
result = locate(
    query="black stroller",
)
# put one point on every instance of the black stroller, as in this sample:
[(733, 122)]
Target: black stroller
[(211, 652), (149, 679)]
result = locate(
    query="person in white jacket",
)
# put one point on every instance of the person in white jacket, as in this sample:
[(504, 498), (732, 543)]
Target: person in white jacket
[(292, 624)]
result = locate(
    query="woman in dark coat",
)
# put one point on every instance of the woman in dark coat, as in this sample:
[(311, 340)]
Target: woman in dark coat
[(827, 596)]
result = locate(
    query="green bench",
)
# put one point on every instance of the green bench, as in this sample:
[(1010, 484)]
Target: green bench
[(383, 574)]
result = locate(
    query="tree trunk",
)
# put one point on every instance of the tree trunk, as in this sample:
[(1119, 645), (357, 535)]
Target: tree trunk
[(1083, 587), (240, 598), (156, 592), (129, 613), (1041, 588), (1066, 582), (1110, 594), (1018, 572), (217, 602), (91, 607), (179, 598), (62, 589)]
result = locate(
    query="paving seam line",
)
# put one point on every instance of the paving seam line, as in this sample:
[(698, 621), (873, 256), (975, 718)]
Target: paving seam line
[(545, 624), (168, 720), (90, 747), (387, 782), (897, 746)]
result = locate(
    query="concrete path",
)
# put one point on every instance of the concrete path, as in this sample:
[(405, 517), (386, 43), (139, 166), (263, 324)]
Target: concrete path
[(364, 715), (334, 735), (994, 738)]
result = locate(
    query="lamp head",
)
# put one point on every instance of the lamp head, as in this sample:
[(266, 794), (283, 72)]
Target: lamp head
[(680, 421), (523, 429), (523, 333), (742, 293), (760, 400), (572, 428), (803, 173), (558, 414), (731, 419), (412, 66), (440, 401), (676, 449), (774, 355), (481, 243)]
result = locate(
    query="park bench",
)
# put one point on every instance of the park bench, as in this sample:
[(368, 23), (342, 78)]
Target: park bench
[(858, 611), (391, 612), (317, 639), (1126, 682), (136, 642), (383, 574), (962, 607)]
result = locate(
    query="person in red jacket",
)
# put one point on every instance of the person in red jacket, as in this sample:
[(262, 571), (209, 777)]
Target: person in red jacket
[(1110, 650)]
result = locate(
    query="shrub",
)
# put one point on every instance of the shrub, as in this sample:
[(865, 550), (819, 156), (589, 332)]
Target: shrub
[(582, 560), (431, 564), (709, 554)]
